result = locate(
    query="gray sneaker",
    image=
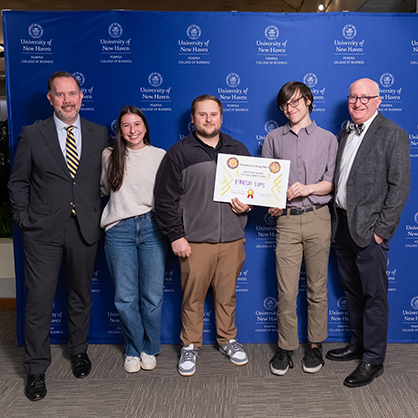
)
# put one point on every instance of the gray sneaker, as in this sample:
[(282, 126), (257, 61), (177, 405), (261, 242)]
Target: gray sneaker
[(235, 352), (187, 363)]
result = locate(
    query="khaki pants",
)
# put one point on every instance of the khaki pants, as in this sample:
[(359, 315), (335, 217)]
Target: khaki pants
[(216, 265), (307, 235)]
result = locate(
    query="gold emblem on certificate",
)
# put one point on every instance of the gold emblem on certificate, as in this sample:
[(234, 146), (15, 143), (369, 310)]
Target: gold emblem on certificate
[(232, 163), (274, 167)]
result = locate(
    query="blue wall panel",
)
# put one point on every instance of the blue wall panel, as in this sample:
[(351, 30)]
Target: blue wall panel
[(160, 61)]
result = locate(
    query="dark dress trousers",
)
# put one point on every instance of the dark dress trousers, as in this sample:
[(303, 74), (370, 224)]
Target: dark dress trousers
[(42, 194), (377, 190)]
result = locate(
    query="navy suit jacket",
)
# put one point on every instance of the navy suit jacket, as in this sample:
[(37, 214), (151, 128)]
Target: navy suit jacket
[(379, 181), (41, 189)]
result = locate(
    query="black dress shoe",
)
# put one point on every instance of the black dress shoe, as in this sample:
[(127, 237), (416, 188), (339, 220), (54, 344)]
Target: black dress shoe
[(81, 365), (347, 353), (35, 389), (363, 375)]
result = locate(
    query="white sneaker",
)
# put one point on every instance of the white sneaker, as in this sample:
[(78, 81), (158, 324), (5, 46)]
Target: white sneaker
[(187, 363), (148, 362), (235, 352), (132, 364)]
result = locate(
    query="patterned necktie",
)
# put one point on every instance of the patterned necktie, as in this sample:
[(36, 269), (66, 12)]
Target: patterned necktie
[(72, 154), (351, 126)]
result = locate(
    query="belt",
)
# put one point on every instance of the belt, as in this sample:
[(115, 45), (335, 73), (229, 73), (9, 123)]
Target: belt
[(301, 211)]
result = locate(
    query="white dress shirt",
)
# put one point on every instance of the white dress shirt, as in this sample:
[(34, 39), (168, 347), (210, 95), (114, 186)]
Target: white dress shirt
[(351, 148), (62, 135)]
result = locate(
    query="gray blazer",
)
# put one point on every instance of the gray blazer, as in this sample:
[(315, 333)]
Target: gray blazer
[(379, 181), (41, 189)]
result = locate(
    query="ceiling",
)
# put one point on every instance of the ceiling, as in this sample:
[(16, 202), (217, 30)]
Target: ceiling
[(277, 6)]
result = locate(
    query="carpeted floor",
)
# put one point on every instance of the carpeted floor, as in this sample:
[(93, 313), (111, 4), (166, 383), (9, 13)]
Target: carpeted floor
[(218, 389)]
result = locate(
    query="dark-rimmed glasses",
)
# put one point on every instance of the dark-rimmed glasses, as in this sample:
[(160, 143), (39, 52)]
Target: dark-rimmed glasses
[(363, 99), (292, 103)]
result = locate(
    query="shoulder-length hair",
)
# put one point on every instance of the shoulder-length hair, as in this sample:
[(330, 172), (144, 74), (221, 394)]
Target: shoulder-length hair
[(117, 159)]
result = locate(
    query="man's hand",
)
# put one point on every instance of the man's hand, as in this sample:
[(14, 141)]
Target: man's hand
[(378, 239), (297, 189), (275, 211), (238, 206), (181, 247)]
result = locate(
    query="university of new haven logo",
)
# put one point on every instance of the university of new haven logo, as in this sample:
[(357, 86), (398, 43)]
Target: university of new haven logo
[(80, 77), (342, 303), (271, 32), (349, 31), (387, 80), (115, 30), (233, 80), (310, 80), (270, 303), (35, 31), (270, 125), (155, 79), (414, 303), (193, 32), (269, 220), (190, 126), (113, 126)]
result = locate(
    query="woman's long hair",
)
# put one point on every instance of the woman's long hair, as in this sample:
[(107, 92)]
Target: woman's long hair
[(116, 168)]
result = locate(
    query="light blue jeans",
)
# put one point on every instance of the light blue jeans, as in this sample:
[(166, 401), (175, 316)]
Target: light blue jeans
[(136, 253)]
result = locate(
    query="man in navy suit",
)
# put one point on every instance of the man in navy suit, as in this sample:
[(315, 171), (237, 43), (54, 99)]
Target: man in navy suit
[(59, 213), (372, 179)]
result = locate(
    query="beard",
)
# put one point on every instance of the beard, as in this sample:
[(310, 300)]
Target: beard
[(205, 134), (67, 117)]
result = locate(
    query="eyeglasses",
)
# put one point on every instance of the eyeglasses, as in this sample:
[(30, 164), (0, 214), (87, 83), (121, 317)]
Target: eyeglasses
[(363, 99), (292, 103)]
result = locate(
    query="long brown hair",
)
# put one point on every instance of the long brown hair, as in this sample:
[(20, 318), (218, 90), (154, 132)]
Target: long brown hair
[(116, 167)]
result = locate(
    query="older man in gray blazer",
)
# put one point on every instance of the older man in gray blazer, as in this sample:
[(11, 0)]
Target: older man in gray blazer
[(55, 193), (372, 179)]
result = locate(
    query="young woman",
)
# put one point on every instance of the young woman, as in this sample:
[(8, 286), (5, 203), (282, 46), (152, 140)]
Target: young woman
[(135, 248)]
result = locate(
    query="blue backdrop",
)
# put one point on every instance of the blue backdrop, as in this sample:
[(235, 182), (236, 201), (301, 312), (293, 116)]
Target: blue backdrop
[(160, 61)]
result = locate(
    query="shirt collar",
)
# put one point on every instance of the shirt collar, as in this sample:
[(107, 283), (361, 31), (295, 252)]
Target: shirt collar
[(218, 145), (369, 122), (61, 125), (308, 129), (366, 126)]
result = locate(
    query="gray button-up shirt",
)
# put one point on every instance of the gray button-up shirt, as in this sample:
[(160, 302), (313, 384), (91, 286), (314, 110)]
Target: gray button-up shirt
[(312, 154)]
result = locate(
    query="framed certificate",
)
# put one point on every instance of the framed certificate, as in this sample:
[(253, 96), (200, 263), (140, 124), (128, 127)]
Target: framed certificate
[(253, 180)]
